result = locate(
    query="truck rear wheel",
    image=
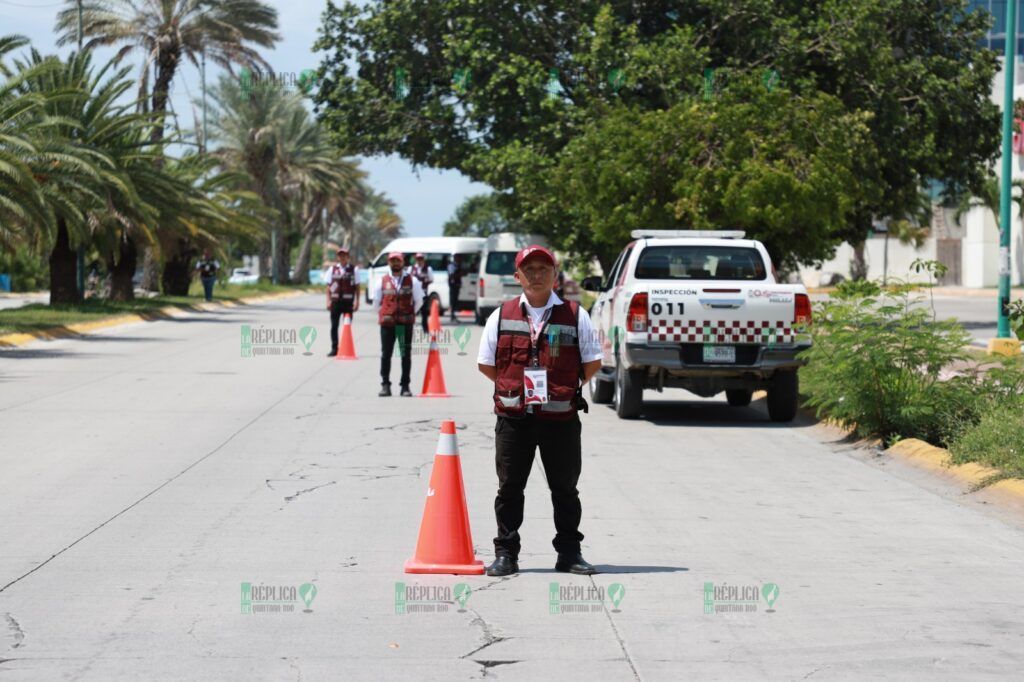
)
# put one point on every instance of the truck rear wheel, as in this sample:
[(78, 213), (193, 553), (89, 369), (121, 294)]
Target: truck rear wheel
[(629, 392), (738, 397), (783, 396), (601, 392)]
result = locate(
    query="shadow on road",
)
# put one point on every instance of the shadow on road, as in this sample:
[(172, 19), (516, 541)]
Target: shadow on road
[(613, 569)]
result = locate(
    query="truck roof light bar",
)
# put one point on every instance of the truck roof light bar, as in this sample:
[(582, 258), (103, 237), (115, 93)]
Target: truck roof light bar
[(690, 234)]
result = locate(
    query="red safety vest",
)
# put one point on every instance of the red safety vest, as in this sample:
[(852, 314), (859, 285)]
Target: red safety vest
[(343, 281), (396, 306), (557, 349)]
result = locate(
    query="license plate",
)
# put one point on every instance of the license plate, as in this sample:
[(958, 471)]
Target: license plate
[(720, 354)]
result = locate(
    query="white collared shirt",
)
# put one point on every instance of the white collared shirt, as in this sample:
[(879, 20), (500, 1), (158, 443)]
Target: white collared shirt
[(417, 290), (590, 347)]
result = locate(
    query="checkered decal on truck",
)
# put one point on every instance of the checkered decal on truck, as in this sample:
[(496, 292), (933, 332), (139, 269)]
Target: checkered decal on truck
[(722, 331)]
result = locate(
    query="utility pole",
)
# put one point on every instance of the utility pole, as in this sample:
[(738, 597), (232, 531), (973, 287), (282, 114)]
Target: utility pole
[(1006, 180), (202, 75), (80, 260)]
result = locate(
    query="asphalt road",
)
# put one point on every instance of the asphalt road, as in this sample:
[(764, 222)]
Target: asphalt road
[(151, 470)]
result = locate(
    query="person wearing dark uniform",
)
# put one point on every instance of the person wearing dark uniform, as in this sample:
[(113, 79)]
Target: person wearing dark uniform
[(454, 285), (397, 298), (539, 351), (207, 269), (425, 274), (342, 294)]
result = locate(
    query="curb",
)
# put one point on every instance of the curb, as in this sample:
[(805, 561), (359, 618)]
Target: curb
[(973, 475), (80, 328)]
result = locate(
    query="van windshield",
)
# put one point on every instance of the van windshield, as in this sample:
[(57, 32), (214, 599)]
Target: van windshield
[(437, 261), (700, 262), (501, 263)]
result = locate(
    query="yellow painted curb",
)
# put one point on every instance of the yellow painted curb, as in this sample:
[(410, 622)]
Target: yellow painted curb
[(78, 328), (938, 460), (1006, 347)]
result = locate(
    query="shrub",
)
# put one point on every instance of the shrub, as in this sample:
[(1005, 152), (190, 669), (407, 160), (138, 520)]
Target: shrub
[(28, 271), (877, 360)]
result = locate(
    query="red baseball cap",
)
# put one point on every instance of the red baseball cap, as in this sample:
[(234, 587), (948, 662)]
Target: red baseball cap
[(420, 255), (396, 254), (342, 249), (535, 251)]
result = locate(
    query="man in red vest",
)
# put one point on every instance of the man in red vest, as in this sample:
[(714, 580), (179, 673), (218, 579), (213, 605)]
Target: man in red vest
[(397, 297), (539, 351), (342, 294)]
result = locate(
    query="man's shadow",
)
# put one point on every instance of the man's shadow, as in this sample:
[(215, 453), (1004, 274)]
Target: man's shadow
[(613, 569)]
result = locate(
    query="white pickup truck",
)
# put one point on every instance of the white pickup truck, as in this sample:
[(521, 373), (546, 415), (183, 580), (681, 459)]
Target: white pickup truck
[(699, 310)]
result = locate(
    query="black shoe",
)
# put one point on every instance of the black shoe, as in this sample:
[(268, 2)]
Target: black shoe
[(406, 393), (568, 563), (385, 391), (503, 565), (332, 353)]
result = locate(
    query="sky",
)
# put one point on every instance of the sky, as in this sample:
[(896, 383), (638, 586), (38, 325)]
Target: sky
[(425, 199)]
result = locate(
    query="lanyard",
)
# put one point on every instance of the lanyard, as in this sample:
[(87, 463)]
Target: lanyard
[(535, 333), (397, 282)]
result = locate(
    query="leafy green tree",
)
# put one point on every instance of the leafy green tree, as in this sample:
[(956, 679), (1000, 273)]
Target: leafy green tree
[(481, 215), (541, 75)]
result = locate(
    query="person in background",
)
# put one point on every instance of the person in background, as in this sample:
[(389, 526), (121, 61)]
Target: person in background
[(454, 284), (396, 298), (342, 293), (207, 268), (425, 275)]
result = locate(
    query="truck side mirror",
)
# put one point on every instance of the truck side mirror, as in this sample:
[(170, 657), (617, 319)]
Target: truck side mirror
[(592, 283)]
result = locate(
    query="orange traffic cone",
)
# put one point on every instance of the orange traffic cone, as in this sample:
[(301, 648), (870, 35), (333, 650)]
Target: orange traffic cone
[(434, 321), (347, 348), (433, 378), (445, 544)]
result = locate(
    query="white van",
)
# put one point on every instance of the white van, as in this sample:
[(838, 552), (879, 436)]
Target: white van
[(496, 282), (439, 251)]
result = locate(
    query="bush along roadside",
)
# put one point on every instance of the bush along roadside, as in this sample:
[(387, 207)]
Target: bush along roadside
[(884, 366)]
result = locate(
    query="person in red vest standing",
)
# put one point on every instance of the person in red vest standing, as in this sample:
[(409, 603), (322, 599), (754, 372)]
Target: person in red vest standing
[(397, 297), (538, 350), (342, 295)]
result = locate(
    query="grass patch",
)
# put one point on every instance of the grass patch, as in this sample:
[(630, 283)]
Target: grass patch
[(38, 317), (997, 440)]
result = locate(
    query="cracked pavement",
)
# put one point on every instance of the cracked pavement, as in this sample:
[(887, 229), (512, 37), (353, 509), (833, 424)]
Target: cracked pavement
[(150, 471)]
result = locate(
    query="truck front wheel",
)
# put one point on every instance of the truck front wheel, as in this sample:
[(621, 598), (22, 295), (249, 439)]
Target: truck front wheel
[(783, 396)]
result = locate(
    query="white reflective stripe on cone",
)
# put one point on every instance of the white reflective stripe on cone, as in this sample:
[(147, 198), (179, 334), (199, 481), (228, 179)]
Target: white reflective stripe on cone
[(447, 445)]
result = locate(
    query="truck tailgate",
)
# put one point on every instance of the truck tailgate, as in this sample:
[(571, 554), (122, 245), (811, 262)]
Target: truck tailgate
[(723, 313)]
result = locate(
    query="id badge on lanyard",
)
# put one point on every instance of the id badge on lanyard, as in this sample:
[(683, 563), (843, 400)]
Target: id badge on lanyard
[(535, 377)]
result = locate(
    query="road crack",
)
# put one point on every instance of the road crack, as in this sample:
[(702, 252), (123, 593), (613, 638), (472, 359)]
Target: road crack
[(489, 636), (618, 637), (15, 627), (308, 490)]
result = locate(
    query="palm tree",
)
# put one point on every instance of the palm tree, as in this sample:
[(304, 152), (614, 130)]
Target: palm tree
[(374, 226), (23, 211), (167, 32), (268, 135)]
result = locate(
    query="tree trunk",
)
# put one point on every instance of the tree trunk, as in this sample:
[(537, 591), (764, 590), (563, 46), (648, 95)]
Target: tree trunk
[(63, 268), (167, 66), (302, 263), (283, 257), (122, 269), (858, 266), (177, 275), (150, 270)]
